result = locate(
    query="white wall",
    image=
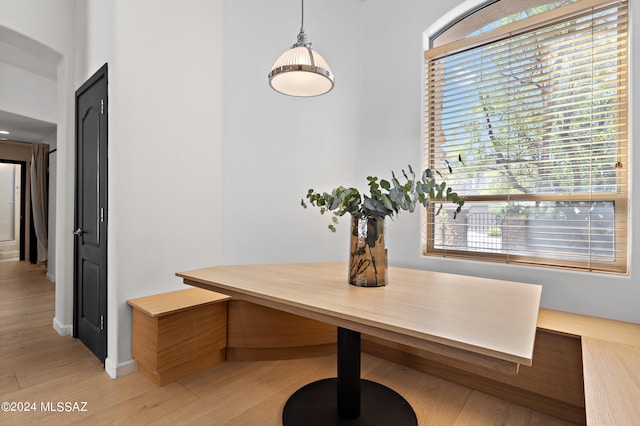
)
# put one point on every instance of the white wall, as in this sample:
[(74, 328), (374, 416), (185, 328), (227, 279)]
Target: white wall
[(391, 121), (27, 94), (165, 110), (276, 147)]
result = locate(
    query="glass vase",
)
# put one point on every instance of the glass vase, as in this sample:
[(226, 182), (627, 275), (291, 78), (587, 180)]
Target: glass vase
[(368, 255)]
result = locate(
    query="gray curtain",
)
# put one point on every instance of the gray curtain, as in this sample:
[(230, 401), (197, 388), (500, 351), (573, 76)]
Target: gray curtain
[(39, 165)]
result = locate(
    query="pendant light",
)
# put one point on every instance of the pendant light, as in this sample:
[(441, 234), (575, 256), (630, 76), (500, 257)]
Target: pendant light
[(301, 71)]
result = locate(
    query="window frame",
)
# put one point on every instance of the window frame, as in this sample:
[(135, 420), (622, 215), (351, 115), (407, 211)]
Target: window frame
[(620, 197)]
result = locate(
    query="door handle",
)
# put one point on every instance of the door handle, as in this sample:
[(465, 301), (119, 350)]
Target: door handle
[(78, 232)]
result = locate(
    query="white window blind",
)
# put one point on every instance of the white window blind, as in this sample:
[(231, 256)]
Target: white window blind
[(537, 111)]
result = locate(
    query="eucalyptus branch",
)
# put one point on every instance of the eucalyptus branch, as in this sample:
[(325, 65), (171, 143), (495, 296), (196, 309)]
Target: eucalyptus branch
[(386, 198)]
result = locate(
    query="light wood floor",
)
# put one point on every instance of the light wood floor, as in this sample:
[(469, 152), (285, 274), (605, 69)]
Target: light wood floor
[(39, 366)]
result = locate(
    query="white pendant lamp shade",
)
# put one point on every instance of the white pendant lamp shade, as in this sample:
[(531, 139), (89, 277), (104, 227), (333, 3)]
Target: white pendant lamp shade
[(300, 71)]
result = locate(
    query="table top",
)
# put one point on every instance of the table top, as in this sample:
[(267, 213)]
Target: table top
[(484, 321)]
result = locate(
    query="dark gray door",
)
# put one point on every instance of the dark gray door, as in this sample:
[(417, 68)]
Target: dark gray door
[(90, 275)]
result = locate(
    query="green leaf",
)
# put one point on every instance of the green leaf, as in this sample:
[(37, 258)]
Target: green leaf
[(333, 203), (427, 175), (375, 207), (396, 196), (386, 201), (448, 165)]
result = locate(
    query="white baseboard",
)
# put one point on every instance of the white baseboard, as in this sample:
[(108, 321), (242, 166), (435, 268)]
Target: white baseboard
[(63, 330), (118, 370), (51, 277)]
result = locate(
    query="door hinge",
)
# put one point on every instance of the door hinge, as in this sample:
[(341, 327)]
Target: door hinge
[(101, 214), (101, 106), (101, 322)]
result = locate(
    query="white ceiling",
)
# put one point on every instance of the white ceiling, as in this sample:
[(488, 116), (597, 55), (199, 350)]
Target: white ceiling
[(24, 129), (33, 57)]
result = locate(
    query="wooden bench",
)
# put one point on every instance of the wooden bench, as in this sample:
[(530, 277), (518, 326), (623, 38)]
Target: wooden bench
[(610, 362), (177, 333)]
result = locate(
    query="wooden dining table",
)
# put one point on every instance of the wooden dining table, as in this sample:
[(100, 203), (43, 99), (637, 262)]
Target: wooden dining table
[(483, 321)]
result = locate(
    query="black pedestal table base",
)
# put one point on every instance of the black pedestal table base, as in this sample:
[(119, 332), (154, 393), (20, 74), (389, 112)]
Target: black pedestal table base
[(316, 405), (347, 399)]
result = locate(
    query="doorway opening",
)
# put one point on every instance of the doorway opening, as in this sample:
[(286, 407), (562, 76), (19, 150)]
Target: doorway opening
[(12, 210)]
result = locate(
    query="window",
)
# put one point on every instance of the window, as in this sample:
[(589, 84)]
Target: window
[(534, 104)]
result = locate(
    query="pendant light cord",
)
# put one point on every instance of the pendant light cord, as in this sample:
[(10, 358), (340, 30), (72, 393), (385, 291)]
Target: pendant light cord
[(302, 37)]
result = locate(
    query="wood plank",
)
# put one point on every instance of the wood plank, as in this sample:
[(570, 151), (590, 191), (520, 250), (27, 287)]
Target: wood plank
[(611, 382), (8, 382), (144, 339), (175, 301), (145, 407), (247, 391), (589, 326), (542, 419), (259, 333), (482, 409), (272, 354), (482, 317), (175, 344), (256, 326)]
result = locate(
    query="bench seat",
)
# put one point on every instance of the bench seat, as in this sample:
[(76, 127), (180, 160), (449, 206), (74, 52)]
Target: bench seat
[(610, 362), (177, 333)]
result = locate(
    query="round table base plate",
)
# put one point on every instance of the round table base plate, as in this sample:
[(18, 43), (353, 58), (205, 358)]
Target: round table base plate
[(316, 404)]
